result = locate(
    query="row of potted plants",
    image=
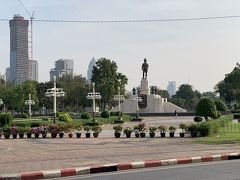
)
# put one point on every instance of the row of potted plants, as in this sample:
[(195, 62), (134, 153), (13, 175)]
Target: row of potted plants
[(54, 130), (140, 130)]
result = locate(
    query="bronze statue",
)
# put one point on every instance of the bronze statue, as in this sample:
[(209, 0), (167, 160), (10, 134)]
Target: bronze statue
[(145, 68)]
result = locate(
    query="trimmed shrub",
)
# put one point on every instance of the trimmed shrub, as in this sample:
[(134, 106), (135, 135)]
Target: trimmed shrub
[(192, 127), (220, 105), (85, 115), (204, 128), (105, 114), (236, 116), (22, 115), (5, 119), (65, 117), (35, 124), (207, 108), (117, 113), (198, 119), (112, 113)]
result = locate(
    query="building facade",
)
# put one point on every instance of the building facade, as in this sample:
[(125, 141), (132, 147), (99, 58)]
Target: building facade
[(19, 62), (7, 74), (90, 69), (171, 88), (33, 70), (62, 67)]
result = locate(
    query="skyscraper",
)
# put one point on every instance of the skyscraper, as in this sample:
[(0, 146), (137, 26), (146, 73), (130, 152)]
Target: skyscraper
[(7, 74), (62, 67), (19, 62), (90, 68), (171, 88), (33, 70)]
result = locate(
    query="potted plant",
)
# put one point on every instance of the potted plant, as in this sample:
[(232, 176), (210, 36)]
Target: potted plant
[(193, 129), (36, 131), (182, 126), (69, 129), (162, 129), (43, 130), (61, 131), (6, 132), (142, 130), (21, 131), (54, 130), (96, 130), (87, 129), (128, 131), (78, 129), (172, 130), (117, 130), (29, 132), (152, 131), (136, 131), (14, 131)]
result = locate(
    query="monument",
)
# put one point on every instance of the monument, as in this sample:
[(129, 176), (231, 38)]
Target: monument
[(150, 102)]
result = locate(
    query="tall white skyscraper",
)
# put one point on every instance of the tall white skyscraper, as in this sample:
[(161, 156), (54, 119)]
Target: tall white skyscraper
[(62, 67), (90, 69), (171, 88)]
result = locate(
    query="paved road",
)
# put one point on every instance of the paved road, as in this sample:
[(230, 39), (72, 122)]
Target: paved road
[(225, 170)]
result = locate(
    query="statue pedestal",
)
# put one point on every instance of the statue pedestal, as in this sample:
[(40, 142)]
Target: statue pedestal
[(144, 87)]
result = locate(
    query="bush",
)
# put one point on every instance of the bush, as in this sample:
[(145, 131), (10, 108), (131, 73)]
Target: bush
[(192, 127), (118, 128), (236, 116), (65, 117), (112, 113), (204, 128), (198, 119), (23, 115), (97, 129), (85, 115), (207, 108), (105, 114), (214, 127), (220, 105), (35, 124), (5, 119), (119, 113)]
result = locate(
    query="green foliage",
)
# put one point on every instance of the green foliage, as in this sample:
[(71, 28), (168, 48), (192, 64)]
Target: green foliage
[(117, 128), (7, 130), (119, 113), (5, 119), (220, 105), (206, 108), (97, 129), (65, 117), (85, 115), (21, 130), (128, 130), (204, 128), (162, 128), (236, 116), (105, 114), (183, 126), (22, 115), (152, 129), (192, 127), (112, 113), (172, 128), (214, 126), (198, 119), (87, 128)]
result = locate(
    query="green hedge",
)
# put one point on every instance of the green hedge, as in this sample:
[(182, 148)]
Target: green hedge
[(5, 119)]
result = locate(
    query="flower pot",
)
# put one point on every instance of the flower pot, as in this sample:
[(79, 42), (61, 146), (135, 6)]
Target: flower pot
[(117, 134), (29, 135), (88, 135), (142, 134), (152, 135), (171, 134), (128, 135), (70, 135), (78, 135), (21, 136), (6, 136), (194, 133), (36, 135), (137, 135), (181, 135), (162, 134), (61, 135), (53, 135), (14, 136), (44, 135), (95, 134)]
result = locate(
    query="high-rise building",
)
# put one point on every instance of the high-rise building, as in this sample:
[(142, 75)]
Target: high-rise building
[(90, 68), (33, 70), (62, 67), (7, 74), (19, 62), (171, 88)]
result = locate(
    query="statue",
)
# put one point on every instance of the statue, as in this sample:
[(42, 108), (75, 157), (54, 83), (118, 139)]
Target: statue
[(145, 68), (134, 91)]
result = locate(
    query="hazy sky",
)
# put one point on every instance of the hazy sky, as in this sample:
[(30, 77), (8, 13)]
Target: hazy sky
[(196, 52)]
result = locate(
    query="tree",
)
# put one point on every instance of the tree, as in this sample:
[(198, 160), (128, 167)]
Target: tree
[(207, 108), (107, 79), (220, 105), (163, 93)]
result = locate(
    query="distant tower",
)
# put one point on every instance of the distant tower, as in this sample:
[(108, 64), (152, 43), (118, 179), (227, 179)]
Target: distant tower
[(90, 69), (19, 62), (33, 67), (62, 67), (171, 88), (7, 74)]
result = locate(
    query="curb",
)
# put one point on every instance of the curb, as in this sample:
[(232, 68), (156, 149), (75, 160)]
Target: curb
[(117, 167)]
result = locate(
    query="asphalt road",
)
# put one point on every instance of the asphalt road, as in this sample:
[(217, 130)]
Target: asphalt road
[(222, 170)]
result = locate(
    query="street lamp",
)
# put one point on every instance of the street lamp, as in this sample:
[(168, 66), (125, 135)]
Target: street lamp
[(94, 95), (119, 98), (137, 99), (54, 92), (29, 102)]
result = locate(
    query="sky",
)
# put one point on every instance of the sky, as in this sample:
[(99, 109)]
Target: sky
[(199, 53)]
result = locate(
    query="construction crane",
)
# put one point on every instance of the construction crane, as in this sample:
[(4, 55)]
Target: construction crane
[(31, 16)]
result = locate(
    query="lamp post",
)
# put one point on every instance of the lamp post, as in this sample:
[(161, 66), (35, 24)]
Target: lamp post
[(94, 95), (119, 98), (54, 92), (137, 99), (29, 102)]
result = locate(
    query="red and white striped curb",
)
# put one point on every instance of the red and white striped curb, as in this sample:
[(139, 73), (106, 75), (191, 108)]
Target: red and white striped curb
[(116, 167)]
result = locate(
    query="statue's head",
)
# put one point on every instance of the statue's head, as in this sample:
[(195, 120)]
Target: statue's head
[(145, 60)]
